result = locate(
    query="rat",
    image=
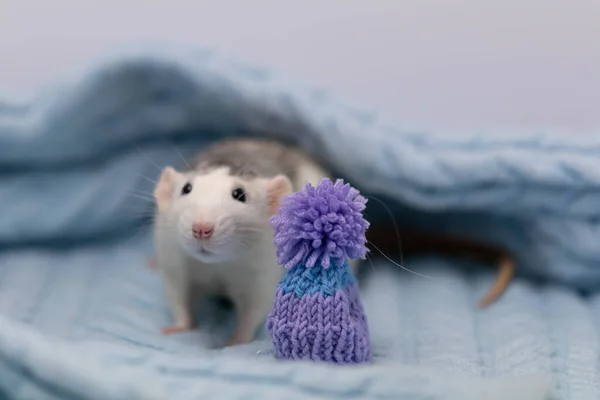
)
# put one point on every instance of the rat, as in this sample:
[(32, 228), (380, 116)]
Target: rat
[(212, 233)]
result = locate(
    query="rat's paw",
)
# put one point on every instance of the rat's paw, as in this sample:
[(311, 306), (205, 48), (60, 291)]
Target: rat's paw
[(151, 263), (168, 330), (235, 341)]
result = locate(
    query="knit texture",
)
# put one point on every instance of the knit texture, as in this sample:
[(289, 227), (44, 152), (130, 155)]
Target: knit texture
[(74, 168), (317, 313), (321, 224)]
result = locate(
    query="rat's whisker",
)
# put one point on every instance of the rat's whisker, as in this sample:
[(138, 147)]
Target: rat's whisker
[(153, 222), (139, 150), (180, 154), (142, 208), (146, 222), (244, 244), (248, 229), (396, 229), (370, 262), (148, 179), (399, 265), (218, 241), (145, 193), (141, 197), (143, 214), (149, 227)]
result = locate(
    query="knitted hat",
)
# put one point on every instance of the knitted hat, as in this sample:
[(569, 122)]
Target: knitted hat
[(317, 313)]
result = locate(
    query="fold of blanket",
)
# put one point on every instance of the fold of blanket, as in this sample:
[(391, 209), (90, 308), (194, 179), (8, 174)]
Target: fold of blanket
[(79, 162), (236, 377), (77, 168), (89, 328)]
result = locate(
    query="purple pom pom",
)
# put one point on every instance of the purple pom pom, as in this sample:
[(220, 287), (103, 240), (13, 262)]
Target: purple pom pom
[(320, 224)]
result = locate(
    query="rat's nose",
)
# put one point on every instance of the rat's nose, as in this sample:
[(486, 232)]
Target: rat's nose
[(202, 230)]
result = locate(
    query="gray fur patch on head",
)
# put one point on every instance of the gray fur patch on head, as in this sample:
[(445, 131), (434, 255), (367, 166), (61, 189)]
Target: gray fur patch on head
[(250, 158)]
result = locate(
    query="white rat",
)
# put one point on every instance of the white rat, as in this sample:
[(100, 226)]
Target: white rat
[(212, 230)]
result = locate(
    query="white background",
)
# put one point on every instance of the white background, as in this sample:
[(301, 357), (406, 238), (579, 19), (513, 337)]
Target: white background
[(453, 64)]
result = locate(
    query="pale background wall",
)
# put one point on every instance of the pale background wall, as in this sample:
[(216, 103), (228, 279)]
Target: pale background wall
[(460, 64)]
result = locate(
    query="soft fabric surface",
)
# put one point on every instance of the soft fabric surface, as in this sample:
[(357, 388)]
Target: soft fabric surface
[(81, 315)]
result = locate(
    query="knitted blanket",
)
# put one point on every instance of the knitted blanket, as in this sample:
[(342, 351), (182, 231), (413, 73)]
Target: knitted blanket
[(80, 315)]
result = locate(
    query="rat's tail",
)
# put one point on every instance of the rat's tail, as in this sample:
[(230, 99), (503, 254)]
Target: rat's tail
[(419, 242), (506, 271)]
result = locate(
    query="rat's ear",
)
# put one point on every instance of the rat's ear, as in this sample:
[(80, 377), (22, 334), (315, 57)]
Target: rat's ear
[(277, 187), (164, 188)]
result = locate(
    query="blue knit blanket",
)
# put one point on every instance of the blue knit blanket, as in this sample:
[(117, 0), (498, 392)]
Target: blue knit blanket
[(80, 315)]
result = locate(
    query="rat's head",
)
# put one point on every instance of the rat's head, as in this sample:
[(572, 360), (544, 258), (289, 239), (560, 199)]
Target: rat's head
[(216, 216)]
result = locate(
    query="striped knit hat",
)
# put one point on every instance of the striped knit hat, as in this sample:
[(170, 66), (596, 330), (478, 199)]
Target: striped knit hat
[(317, 313)]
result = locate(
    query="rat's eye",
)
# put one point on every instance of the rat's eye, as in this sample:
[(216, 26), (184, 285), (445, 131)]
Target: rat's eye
[(186, 189), (239, 194)]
